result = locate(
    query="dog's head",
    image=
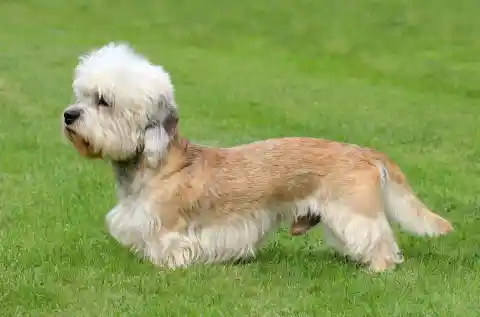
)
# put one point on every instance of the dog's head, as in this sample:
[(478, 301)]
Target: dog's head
[(124, 105)]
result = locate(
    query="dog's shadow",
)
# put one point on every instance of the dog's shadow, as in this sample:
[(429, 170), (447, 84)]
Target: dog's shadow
[(315, 257), (306, 260), (306, 254)]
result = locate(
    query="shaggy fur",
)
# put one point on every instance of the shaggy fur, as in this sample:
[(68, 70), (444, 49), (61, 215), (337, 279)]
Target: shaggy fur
[(181, 203)]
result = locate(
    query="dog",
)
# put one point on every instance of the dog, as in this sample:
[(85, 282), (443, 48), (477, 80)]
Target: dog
[(181, 203)]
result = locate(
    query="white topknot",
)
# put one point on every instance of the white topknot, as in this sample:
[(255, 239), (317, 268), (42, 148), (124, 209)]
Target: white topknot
[(117, 71)]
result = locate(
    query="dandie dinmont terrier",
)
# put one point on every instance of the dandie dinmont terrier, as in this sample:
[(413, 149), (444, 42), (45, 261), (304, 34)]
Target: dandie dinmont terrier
[(181, 203)]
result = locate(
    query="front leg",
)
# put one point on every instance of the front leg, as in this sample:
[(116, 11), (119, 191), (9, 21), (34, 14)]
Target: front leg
[(129, 223), (133, 225)]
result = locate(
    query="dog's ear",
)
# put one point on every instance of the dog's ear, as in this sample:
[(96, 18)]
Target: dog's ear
[(170, 123), (158, 135), (156, 144)]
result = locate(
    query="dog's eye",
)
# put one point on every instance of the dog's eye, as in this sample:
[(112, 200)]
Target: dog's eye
[(102, 102)]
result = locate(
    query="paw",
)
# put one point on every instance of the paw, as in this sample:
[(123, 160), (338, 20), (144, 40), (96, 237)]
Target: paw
[(381, 265)]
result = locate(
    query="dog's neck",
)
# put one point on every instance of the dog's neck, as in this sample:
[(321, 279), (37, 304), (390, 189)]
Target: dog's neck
[(132, 175), (125, 173)]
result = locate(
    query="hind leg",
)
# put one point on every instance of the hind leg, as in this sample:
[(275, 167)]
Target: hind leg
[(366, 238), (333, 241), (385, 253)]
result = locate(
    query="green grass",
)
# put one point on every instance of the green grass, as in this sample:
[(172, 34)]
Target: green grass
[(402, 76)]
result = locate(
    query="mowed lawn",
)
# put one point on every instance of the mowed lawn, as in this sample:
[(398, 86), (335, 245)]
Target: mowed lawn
[(400, 76)]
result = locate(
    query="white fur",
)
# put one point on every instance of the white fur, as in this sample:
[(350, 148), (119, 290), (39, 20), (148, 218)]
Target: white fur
[(134, 226), (156, 144), (358, 236), (237, 239), (124, 76), (349, 232), (402, 207), (131, 223)]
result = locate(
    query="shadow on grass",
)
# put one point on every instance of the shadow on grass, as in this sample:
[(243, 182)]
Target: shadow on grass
[(324, 258), (301, 259)]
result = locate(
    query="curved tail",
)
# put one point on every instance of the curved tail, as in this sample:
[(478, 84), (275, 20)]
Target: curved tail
[(404, 207)]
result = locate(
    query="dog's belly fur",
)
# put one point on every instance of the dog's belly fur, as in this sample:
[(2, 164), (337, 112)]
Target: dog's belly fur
[(225, 202)]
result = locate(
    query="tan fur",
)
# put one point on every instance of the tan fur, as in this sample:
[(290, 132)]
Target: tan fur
[(181, 203)]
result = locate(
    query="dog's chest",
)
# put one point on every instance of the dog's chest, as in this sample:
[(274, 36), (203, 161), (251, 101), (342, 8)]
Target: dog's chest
[(130, 222)]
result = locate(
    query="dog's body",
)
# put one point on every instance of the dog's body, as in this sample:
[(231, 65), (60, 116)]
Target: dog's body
[(182, 203)]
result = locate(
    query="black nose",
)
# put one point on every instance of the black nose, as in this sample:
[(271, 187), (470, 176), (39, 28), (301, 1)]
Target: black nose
[(71, 115)]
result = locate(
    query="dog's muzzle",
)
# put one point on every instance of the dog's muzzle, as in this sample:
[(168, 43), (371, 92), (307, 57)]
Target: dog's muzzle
[(70, 116)]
